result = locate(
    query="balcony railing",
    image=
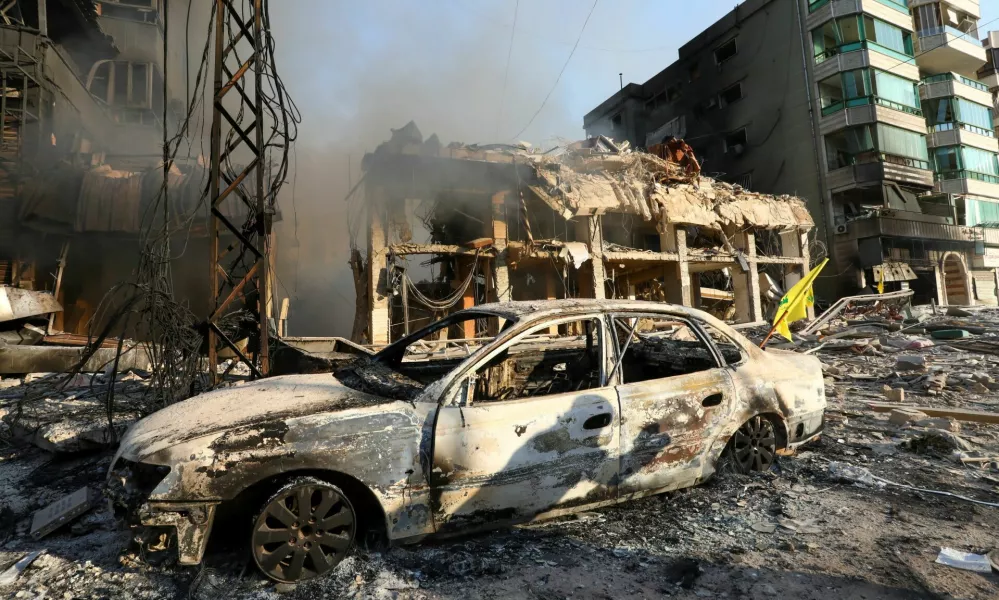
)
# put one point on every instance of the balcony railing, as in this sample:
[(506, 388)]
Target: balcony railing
[(844, 159), (978, 85), (951, 126), (839, 105), (863, 45), (967, 36), (899, 5), (966, 174)]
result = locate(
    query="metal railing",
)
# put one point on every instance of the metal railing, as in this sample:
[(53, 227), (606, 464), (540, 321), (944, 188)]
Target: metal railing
[(978, 85), (966, 174), (867, 100), (863, 45), (952, 125), (845, 159), (899, 5), (954, 31)]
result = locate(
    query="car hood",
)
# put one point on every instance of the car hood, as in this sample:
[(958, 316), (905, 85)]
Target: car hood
[(275, 398)]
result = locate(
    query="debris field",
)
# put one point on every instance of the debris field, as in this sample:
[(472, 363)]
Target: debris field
[(904, 479)]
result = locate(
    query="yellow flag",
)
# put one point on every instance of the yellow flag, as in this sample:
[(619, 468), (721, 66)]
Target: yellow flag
[(796, 301)]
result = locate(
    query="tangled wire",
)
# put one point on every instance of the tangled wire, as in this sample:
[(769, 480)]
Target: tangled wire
[(146, 307)]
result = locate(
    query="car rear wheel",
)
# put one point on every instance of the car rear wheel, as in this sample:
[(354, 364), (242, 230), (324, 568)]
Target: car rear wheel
[(303, 530), (754, 445)]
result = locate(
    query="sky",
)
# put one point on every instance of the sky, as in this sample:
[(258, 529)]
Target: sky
[(459, 68)]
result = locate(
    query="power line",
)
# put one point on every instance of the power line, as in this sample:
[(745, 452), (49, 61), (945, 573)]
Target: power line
[(557, 79), (506, 72)]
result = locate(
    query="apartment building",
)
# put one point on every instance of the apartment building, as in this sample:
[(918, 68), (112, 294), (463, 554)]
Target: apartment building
[(873, 110), (82, 98)]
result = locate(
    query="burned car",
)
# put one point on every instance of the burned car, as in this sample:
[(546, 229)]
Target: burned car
[(498, 414)]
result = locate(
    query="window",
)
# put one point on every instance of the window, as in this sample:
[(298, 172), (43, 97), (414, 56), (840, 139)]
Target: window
[(863, 86), (544, 363), (962, 162), (735, 142), (850, 146), (694, 72), (672, 93), (729, 349), (655, 347), (944, 114), (946, 159), (616, 121), (904, 144), (725, 51), (730, 95), (856, 32)]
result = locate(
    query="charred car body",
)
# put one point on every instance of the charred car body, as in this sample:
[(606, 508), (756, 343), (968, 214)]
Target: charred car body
[(563, 406)]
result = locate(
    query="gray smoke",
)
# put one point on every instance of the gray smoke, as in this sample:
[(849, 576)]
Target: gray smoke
[(358, 69)]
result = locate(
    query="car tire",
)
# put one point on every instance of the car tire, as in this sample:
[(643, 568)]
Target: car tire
[(753, 447), (303, 530)]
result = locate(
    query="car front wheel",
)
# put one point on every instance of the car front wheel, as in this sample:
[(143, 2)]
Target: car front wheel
[(754, 445), (304, 530)]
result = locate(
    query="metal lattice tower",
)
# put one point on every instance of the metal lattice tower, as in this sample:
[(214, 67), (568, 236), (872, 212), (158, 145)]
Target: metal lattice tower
[(241, 270)]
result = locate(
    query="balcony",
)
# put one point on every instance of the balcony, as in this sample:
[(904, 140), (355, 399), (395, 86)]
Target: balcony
[(968, 183), (870, 109), (944, 49), (947, 85), (859, 55), (971, 7), (961, 134), (989, 76), (892, 11), (874, 167), (893, 226)]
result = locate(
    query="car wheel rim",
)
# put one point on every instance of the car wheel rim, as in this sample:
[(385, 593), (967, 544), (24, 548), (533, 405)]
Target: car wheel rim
[(755, 445), (303, 533)]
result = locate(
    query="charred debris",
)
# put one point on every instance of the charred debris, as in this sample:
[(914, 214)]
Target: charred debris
[(450, 227)]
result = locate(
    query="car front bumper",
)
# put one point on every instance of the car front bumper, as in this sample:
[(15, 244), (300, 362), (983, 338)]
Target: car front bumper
[(189, 522)]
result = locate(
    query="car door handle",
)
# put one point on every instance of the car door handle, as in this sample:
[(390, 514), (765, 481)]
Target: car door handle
[(713, 400), (597, 421)]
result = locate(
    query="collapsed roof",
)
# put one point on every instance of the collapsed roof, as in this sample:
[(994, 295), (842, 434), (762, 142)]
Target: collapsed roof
[(597, 176)]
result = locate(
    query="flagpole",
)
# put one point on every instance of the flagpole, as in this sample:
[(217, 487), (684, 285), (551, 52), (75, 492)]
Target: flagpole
[(787, 311)]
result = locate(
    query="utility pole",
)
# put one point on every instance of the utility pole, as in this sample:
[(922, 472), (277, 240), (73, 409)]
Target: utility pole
[(241, 270)]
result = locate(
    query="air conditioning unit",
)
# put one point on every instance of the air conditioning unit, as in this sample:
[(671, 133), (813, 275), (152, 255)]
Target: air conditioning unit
[(840, 229)]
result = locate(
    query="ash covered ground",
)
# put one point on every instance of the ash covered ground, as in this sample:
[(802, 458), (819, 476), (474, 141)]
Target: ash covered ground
[(801, 530)]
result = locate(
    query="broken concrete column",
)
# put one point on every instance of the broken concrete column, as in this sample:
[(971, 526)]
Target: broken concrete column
[(379, 317), (794, 244), (590, 230), (501, 273), (748, 307), (677, 276)]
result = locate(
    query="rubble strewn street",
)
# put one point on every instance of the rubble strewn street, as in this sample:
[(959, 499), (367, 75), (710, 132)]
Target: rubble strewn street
[(808, 528)]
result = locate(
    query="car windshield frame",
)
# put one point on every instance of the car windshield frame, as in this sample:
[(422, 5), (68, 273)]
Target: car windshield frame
[(393, 354)]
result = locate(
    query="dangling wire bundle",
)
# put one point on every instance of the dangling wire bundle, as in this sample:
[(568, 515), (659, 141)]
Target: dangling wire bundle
[(443, 303)]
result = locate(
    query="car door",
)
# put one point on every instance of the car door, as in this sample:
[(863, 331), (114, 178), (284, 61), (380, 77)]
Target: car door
[(501, 456), (674, 393)]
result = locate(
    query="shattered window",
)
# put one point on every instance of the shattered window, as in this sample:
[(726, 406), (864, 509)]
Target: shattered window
[(730, 351), (553, 359), (655, 347)]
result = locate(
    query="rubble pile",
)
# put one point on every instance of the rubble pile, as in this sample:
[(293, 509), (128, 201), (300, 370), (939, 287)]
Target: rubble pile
[(906, 472)]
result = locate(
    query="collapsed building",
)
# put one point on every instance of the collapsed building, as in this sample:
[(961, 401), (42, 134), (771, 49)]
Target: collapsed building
[(86, 93), (450, 227)]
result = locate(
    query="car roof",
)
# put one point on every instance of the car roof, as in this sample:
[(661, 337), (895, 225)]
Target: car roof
[(533, 310)]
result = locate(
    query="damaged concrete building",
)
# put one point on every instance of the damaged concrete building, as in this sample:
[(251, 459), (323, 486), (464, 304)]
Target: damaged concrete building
[(879, 113), (82, 145), (450, 227)]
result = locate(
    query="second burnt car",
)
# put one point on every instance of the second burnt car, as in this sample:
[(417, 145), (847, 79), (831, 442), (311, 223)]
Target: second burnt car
[(547, 408)]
